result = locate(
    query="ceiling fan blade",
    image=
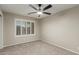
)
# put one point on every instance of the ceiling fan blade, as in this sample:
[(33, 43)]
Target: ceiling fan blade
[(47, 7), (47, 13), (33, 7), (39, 5), (31, 13)]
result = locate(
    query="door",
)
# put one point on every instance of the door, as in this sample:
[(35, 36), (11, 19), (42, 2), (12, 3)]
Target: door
[(1, 32)]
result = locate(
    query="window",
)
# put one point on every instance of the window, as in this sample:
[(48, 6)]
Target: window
[(18, 28), (28, 27), (32, 28), (24, 27)]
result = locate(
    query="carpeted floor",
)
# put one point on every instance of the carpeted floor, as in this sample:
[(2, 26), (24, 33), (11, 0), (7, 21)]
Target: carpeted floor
[(34, 48)]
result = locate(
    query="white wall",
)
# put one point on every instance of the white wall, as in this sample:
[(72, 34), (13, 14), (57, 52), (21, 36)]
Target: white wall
[(9, 30), (62, 29)]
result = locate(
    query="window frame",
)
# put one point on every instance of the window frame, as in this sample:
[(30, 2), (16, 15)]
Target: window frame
[(31, 21)]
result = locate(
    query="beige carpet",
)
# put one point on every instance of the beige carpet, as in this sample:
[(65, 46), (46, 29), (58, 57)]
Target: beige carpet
[(34, 48)]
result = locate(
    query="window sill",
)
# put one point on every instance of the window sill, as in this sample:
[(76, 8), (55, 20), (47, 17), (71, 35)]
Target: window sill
[(25, 35)]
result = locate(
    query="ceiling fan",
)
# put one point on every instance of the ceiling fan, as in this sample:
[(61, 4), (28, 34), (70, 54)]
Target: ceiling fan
[(40, 11)]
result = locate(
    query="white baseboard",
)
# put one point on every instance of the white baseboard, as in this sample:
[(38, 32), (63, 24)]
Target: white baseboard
[(50, 42)]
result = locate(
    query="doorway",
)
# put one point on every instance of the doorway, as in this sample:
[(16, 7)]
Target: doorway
[(1, 32)]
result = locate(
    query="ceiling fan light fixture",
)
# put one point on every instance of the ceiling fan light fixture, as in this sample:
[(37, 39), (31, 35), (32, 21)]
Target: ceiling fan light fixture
[(39, 13)]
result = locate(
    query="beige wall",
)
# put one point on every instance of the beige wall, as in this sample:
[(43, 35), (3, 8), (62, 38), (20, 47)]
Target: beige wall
[(9, 30), (62, 29)]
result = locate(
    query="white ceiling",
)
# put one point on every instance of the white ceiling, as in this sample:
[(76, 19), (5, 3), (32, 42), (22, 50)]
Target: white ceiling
[(24, 9)]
